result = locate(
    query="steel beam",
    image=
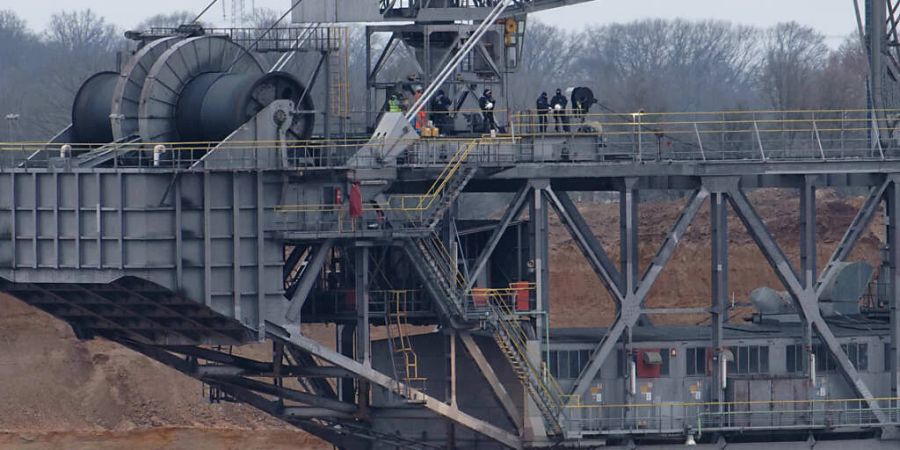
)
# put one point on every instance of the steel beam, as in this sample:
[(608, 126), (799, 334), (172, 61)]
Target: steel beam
[(892, 211), (664, 254), (633, 302), (857, 227), (500, 392), (450, 412), (284, 393), (808, 232), (805, 299), (587, 242), (512, 211), (628, 235), (307, 280), (718, 218), (540, 251)]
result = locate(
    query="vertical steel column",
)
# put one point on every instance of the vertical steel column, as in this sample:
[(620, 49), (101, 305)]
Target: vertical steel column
[(628, 237), (808, 233), (368, 76), (539, 230), (363, 353), (718, 217), (344, 338), (808, 276), (450, 391), (876, 23), (892, 211)]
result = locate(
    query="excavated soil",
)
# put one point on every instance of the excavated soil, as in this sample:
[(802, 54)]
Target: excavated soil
[(59, 392)]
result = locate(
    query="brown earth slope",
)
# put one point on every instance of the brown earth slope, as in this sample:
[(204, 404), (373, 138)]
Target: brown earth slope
[(59, 392)]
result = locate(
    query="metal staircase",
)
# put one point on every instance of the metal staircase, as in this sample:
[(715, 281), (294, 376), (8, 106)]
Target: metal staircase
[(296, 263), (426, 210), (404, 358), (338, 74), (540, 384), (439, 272)]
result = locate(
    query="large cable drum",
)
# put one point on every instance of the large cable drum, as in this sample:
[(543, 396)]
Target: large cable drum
[(175, 69), (127, 94), (582, 96), (213, 105), (91, 109)]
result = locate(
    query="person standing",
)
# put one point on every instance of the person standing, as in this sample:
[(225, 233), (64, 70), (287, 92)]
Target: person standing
[(559, 103), (440, 109), (487, 104), (393, 104), (420, 116), (543, 108)]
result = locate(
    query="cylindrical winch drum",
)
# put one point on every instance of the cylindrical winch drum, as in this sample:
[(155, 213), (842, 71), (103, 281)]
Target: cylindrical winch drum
[(91, 109), (213, 105)]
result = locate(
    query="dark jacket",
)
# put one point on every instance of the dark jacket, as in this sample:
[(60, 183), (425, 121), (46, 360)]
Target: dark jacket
[(543, 105), (483, 103), (441, 103), (559, 99)]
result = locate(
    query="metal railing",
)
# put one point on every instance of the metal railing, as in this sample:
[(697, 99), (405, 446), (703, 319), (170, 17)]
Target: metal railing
[(278, 39), (721, 136), (710, 137), (676, 418)]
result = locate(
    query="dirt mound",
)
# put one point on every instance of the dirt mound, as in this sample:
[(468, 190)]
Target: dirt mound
[(53, 382), (579, 300)]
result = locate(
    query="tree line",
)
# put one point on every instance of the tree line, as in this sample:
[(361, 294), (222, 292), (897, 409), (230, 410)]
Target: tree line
[(654, 65), (678, 65)]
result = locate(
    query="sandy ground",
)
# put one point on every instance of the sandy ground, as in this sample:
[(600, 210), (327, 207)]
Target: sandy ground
[(61, 393)]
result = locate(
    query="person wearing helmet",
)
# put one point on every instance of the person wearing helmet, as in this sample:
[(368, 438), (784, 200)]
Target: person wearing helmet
[(420, 116), (543, 108), (393, 104), (440, 109), (558, 103), (487, 105)]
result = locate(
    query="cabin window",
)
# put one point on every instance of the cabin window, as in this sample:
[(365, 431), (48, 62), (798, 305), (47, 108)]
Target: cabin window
[(696, 361), (749, 359)]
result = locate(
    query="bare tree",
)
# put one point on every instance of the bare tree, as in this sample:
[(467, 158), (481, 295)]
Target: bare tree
[(842, 82), (79, 44), (793, 55), (170, 20)]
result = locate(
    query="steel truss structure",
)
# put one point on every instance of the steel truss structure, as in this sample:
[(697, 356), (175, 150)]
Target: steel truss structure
[(184, 253)]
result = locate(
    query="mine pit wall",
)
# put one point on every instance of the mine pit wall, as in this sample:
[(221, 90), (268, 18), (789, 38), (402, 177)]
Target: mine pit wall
[(200, 234)]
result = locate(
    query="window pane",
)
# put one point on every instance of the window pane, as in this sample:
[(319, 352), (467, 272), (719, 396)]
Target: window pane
[(887, 356), (664, 365), (573, 365), (790, 358), (862, 354), (554, 359), (754, 360), (564, 364), (764, 360), (584, 358), (690, 362)]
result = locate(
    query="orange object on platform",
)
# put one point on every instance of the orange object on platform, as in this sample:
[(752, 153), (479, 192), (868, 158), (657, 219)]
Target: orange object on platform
[(522, 297), (480, 297)]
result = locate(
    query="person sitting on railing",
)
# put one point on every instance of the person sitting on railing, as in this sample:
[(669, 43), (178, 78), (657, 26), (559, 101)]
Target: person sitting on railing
[(559, 103), (487, 104), (543, 108)]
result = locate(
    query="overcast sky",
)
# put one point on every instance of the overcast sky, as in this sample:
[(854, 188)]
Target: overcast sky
[(834, 18)]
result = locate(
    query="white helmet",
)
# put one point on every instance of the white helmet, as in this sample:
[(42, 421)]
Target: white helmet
[(490, 105), (557, 107)]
